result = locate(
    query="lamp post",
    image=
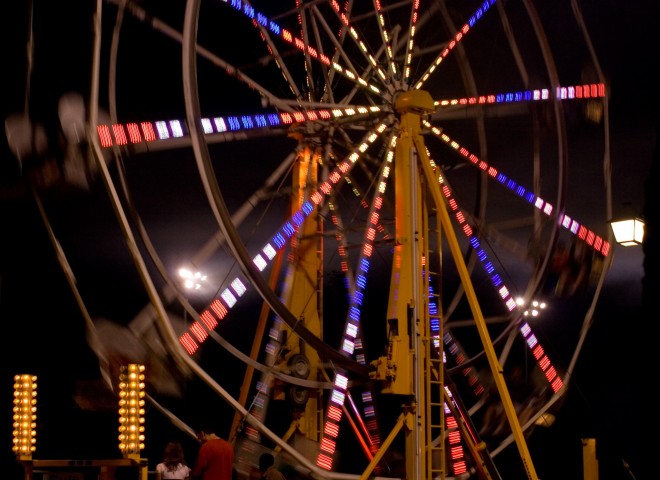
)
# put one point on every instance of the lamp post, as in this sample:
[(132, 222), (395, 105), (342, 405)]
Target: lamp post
[(628, 232)]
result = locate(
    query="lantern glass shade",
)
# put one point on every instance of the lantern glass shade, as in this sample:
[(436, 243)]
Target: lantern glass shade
[(628, 232)]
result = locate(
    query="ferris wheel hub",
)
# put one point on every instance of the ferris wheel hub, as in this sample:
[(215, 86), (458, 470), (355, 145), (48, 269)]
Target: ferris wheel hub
[(414, 101)]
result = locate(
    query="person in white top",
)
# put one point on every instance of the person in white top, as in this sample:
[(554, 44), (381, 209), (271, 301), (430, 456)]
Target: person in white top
[(173, 466)]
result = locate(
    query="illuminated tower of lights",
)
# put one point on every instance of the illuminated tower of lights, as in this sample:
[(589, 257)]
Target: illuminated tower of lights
[(131, 410), (25, 415)]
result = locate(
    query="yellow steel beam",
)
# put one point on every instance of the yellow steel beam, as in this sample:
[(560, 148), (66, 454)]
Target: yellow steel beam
[(407, 314), (403, 370), (303, 282)]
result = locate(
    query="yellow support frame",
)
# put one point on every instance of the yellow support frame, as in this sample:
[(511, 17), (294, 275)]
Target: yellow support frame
[(406, 364), (303, 283), (407, 367)]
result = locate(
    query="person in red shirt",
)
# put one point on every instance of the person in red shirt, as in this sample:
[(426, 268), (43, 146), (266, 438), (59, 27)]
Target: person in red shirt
[(215, 458)]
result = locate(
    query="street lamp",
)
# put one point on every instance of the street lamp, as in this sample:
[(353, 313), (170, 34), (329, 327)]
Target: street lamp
[(628, 232)]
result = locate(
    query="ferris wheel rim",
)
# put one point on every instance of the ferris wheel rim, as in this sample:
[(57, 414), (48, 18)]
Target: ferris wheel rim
[(539, 275)]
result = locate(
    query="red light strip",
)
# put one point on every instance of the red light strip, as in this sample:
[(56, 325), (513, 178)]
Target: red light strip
[(456, 452)]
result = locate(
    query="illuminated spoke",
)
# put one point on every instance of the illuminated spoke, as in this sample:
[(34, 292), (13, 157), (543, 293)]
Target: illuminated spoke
[(411, 40), (387, 40), (452, 43), (585, 234)]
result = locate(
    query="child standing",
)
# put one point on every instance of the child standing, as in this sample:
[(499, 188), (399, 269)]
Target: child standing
[(173, 466)]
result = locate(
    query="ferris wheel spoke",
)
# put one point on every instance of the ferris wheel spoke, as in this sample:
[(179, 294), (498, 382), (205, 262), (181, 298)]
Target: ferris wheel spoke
[(526, 98), (220, 308), (595, 241), (505, 293), (513, 44), (351, 333), (299, 43), (362, 80), (306, 36), (464, 30), (386, 40), (273, 50), (362, 46), (410, 44), (169, 134), (158, 25)]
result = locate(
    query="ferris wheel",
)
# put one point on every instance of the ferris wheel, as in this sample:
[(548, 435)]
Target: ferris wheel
[(420, 156)]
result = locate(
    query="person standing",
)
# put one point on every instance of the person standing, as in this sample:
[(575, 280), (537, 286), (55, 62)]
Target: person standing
[(267, 468), (215, 459), (173, 466)]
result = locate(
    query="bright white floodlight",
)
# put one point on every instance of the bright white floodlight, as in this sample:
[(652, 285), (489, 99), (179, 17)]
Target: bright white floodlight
[(191, 280)]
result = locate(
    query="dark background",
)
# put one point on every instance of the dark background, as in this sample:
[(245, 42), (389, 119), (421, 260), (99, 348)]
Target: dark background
[(44, 332)]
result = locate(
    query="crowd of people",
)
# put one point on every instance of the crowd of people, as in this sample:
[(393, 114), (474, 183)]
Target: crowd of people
[(214, 461)]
